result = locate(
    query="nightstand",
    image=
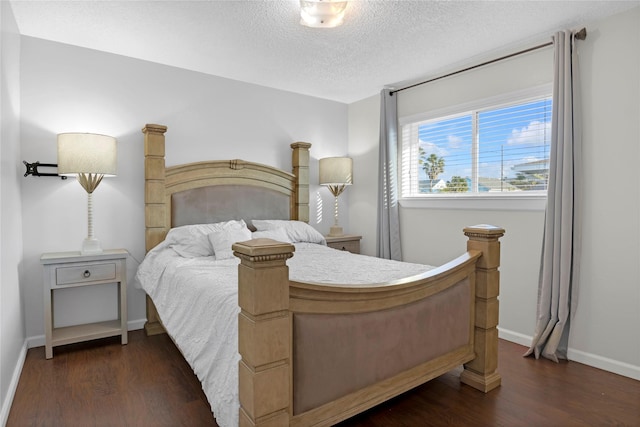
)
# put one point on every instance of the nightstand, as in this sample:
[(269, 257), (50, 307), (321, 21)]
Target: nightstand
[(347, 242), (64, 270)]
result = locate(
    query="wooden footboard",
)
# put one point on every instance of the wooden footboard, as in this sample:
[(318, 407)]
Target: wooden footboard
[(394, 337)]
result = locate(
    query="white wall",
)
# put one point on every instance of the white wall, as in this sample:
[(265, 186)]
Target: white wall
[(607, 321), (12, 330), (605, 328), (364, 130), (66, 88)]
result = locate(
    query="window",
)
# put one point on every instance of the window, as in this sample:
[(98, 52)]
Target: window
[(494, 148)]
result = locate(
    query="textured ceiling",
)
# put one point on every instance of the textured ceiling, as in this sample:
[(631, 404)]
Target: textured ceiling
[(381, 43)]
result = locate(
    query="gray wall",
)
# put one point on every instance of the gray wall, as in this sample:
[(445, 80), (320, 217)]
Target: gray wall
[(12, 330)]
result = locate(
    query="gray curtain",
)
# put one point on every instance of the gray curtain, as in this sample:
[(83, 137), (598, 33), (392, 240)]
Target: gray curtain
[(558, 280), (388, 244)]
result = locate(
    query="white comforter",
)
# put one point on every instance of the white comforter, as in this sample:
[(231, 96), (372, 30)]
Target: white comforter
[(196, 299)]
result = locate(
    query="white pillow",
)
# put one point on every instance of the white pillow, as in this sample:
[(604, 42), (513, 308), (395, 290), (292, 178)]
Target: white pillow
[(190, 241), (297, 231), (278, 234), (222, 240)]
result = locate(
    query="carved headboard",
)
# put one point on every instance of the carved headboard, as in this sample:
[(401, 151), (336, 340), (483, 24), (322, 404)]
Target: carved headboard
[(212, 191)]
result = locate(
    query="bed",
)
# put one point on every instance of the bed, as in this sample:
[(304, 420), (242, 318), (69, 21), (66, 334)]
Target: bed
[(307, 352)]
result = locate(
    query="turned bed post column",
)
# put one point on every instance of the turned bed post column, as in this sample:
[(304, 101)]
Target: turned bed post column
[(154, 204), (264, 332), (481, 373), (300, 163), (155, 217)]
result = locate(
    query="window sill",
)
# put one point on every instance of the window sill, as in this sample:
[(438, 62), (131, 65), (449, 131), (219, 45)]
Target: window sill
[(479, 202)]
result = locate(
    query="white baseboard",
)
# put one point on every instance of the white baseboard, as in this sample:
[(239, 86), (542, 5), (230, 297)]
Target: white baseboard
[(593, 360), (13, 385), (604, 363), (515, 337), (134, 325), (38, 340)]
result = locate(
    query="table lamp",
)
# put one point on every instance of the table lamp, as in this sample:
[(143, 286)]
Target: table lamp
[(90, 157), (336, 173)]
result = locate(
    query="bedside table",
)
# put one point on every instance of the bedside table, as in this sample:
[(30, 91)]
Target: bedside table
[(64, 270), (348, 242)]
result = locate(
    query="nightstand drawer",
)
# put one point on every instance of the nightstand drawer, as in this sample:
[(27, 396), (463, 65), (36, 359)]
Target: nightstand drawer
[(353, 247), (347, 242), (85, 273)]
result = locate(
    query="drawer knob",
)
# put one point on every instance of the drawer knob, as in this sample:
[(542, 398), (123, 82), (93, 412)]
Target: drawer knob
[(87, 273)]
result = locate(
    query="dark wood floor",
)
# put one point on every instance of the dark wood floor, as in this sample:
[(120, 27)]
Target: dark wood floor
[(148, 383)]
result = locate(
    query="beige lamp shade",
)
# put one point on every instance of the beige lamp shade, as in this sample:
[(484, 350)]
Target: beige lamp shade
[(336, 171), (86, 153)]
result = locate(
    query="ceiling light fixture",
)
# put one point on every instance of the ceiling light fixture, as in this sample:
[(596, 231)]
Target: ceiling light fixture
[(322, 13)]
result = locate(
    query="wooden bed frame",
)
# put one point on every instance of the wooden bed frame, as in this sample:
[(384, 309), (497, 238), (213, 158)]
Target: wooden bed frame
[(277, 313)]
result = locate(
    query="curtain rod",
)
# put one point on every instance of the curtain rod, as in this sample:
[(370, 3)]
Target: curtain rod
[(580, 35)]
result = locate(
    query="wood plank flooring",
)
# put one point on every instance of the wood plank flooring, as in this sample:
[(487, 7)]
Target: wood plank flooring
[(148, 383)]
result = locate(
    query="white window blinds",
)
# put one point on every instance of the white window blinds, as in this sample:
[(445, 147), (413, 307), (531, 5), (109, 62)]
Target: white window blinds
[(499, 148)]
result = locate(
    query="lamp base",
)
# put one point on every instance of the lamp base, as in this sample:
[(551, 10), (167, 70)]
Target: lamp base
[(91, 246), (335, 231)]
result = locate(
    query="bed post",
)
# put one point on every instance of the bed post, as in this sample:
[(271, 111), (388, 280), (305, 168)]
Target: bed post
[(154, 206), (481, 373), (300, 163), (264, 332)]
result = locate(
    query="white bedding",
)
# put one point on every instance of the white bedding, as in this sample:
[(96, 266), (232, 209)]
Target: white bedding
[(196, 299)]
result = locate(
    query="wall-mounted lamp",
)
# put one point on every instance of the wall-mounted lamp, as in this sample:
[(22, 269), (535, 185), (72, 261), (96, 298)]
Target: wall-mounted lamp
[(322, 13), (90, 157), (32, 169), (336, 173)]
